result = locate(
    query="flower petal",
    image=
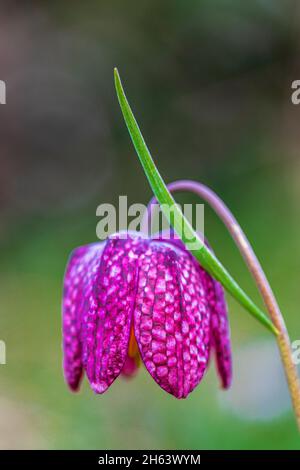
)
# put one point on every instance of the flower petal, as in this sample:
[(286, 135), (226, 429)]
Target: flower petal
[(109, 318), (78, 284), (171, 318), (220, 329), (130, 367)]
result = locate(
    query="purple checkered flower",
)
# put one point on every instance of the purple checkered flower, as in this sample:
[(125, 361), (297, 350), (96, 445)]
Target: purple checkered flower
[(130, 300)]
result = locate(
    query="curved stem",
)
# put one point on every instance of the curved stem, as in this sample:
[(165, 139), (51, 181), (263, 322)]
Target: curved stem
[(176, 218), (257, 272)]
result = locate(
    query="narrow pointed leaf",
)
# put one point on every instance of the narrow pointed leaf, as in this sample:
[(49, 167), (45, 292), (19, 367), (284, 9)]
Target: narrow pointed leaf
[(207, 259)]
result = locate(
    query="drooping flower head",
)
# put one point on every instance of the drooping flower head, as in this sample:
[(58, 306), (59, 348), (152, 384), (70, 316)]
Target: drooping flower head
[(130, 300)]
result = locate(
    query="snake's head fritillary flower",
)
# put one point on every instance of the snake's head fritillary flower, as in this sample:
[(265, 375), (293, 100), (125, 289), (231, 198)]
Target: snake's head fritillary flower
[(130, 300)]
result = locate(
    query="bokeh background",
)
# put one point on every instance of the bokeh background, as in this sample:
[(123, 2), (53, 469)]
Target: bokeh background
[(210, 82)]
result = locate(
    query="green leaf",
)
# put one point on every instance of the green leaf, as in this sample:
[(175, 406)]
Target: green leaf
[(169, 207)]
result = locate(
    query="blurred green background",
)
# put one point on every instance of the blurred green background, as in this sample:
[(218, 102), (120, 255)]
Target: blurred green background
[(210, 83)]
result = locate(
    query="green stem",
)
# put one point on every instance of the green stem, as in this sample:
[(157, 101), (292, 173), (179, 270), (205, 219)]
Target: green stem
[(176, 218)]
